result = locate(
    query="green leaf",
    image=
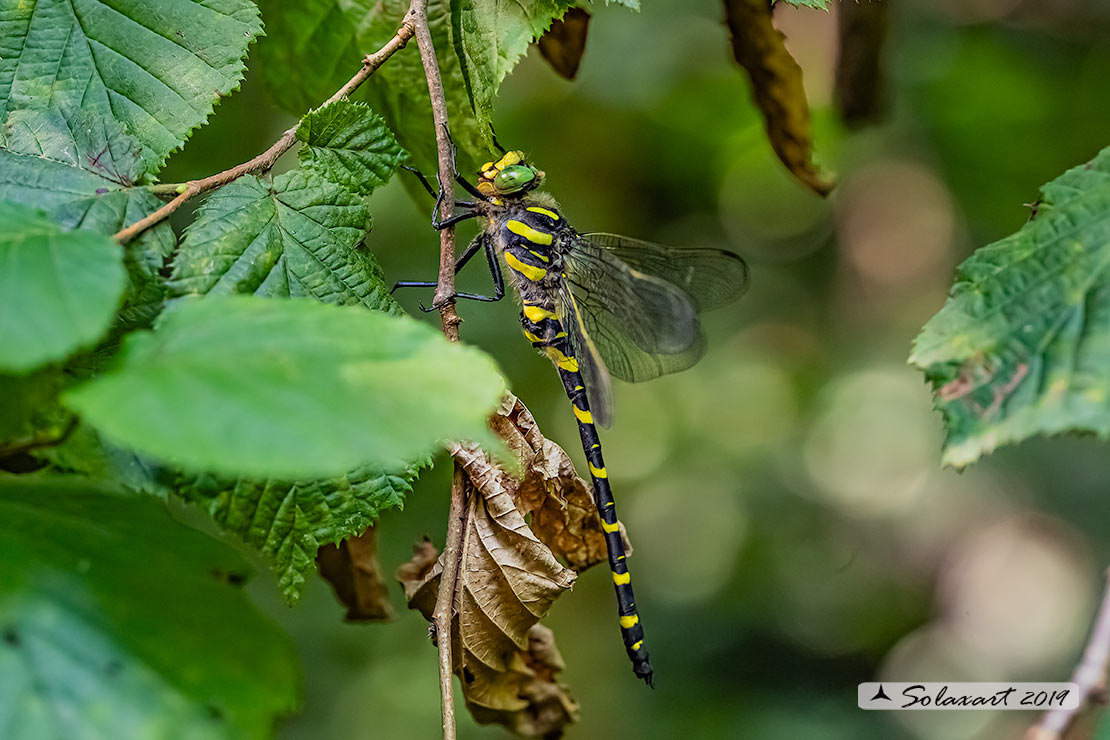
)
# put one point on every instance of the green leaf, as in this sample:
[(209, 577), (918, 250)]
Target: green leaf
[(1022, 346), (158, 66), (288, 521), (298, 236), (58, 290), (289, 389), (119, 622), (819, 4), (30, 412), (315, 46), (490, 38), (349, 144), (80, 171)]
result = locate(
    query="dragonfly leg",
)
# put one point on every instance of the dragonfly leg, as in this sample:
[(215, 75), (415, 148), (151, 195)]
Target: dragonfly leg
[(480, 242), (427, 186), (459, 178)]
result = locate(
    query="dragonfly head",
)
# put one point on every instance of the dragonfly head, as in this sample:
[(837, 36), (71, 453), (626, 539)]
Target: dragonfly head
[(508, 176)]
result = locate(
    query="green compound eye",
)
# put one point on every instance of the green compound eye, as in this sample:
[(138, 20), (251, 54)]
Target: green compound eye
[(514, 178)]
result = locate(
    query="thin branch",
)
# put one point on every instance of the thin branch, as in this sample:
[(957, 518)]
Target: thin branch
[(1089, 675), (449, 319), (266, 159)]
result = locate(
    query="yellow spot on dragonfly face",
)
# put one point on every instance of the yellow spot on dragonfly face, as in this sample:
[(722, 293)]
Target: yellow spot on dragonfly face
[(622, 578), (637, 645), (583, 416), (598, 472), (535, 314), (550, 214), (522, 229), (614, 527), (630, 621), (531, 272)]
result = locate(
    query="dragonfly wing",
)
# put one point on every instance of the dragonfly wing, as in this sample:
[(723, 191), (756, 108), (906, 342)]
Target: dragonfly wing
[(641, 326), (590, 365), (711, 277)]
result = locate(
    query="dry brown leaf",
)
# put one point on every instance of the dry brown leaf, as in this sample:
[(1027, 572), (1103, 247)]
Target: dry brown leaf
[(508, 576), (564, 516), (544, 708), (565, 42), (777, 81), (355, 574)]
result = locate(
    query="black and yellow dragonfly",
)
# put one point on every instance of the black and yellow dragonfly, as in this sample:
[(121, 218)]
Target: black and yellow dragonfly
[(596, 305)]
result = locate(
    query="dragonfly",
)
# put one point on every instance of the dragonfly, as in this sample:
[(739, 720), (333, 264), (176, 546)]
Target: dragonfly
[(598, 306)]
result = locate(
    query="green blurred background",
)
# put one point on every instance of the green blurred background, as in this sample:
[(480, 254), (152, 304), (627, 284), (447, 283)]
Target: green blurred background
[(794, 533)]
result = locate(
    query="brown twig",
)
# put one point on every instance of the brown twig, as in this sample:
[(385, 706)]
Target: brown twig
[(442, 617), (1089, 676), (266, 159)]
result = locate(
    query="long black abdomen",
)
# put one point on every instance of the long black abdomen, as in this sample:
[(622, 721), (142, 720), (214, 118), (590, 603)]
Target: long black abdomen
[(544, 329)]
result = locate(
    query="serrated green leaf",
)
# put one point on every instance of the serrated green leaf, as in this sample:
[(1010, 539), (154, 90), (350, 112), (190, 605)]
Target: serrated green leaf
[(297, 236), (490, 38), (58, 290), (315, 46), (1022, 346), (80, 171), (289, 389), (158, 66), (120, 622), (84, 452), (819, 4), (288, 521), (349, 144)]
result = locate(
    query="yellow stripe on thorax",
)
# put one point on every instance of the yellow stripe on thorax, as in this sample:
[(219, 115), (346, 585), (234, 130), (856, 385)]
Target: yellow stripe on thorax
[(536, 314), (531, 272), (550, 214), (522, 229)]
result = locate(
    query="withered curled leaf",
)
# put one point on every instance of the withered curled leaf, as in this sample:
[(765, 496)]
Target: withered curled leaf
[(355, 574), (777, 83), (544, 706), (564, 516), (508, 576), (565, 42)]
